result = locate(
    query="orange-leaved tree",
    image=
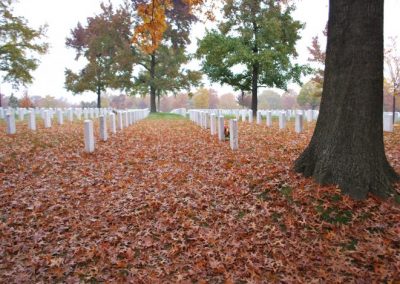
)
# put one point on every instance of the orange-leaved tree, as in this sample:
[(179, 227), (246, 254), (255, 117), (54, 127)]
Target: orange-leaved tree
[(161, 34), (149, 33)]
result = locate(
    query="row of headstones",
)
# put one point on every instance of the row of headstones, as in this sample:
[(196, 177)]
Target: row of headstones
[(216, 126), (195, 115), (69, 112), (48, 115), (286, 115), (125, 119), (247, 115)]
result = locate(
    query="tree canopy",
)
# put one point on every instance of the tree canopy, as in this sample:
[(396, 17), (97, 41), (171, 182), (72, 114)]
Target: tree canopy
[(19, 46), (310, 95), (161, 61), (105, 43), (254, 46)]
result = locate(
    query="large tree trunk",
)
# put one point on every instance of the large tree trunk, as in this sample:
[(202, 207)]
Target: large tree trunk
[(347, 145), (153, 107)]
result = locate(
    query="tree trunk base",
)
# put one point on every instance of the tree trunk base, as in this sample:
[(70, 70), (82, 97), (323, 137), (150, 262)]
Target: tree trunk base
[(353, 175)]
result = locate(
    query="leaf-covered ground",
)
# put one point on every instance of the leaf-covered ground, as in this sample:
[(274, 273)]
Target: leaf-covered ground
[(164, 201)]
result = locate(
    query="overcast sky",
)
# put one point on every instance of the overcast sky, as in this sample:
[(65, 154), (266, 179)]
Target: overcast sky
[(63, 15)]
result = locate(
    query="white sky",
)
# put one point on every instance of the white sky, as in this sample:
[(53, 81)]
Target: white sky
[(63, 15)]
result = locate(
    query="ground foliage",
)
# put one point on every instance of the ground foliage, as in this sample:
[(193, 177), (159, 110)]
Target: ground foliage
[(164, 201)]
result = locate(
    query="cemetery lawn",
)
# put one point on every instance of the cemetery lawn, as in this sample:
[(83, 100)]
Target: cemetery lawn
[(164, 202)]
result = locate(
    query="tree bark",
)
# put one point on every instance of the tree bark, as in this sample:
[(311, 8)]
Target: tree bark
[(394, 107), (254, 88), (98, 91), (158, 101), (255, 71), (153, 107), (347, 145)]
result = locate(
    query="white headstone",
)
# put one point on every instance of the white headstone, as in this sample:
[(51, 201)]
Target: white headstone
[(233, 132), (89, 137), (103, 128), (21, 114), (282, 120), (213, 124), (315, 114), (32, 121), (299, 123), (206, 120), (250, 113), (259, 119), (126, 119), (388, 122), (70, 115), (244, 116), (309, 115), (269, 118), (221, 130), (60, 117), (113, 124), (47, 119), (130, 117), (10, 119), (120, 121)]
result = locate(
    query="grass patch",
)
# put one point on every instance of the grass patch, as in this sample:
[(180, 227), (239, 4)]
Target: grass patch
[(334, 215), (230, 116), (351, 245), (287, 192), (164, 115)]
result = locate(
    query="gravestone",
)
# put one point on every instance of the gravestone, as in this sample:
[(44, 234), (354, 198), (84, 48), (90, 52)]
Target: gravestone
[(299, 123), (309, 114), (10, 120), (126, 119), (88, 136), (250, 113), (388, 122), (32, 121), (233, 132), (221, 133), (103, 128), (60, 117), (259, 117), (269, 118), (120, 121), (71, 115), (282, 120), (213, 124), (21, 114), (47, 119), (113, 124), (130, 117), (244, 116), (85, 114)]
